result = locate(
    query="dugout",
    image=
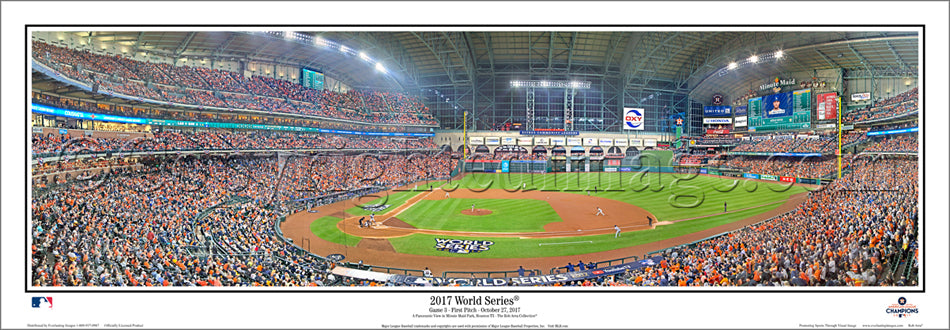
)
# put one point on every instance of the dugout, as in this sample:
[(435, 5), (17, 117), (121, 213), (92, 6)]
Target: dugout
[(558, 159), (612, 159), (510, 152), (539, 150), (595, 157), (578, 159)]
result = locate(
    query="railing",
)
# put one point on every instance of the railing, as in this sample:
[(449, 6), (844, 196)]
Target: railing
[(384, 269), (491, 274), (601, 264), (52, 156)]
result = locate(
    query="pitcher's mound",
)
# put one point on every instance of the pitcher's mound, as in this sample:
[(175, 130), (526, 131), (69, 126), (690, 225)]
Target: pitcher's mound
[(477, 212)]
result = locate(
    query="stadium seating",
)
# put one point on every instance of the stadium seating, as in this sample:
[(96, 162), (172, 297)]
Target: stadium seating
[(847, 234), (902, 143), (200, 86), (261, 102), (130, 232), (787, 166), (252, 140), (901, 104)]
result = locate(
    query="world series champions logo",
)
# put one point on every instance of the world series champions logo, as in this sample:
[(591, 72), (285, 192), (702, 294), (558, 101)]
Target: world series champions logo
[(902, 309), (462, 246)]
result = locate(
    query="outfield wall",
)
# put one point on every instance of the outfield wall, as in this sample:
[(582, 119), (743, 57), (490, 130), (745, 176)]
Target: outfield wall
[(523, 166)]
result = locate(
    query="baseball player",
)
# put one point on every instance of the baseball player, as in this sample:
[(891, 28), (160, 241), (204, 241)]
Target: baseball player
[(473, 207), (372, 219), (599, 211), (616, 231)]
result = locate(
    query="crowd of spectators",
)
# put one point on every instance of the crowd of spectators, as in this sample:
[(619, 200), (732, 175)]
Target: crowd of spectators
[(903, 103), (851, 233), (715, 141), (132, 232), (901, 143), (810, 167), (791, 143), (171, 140), (141, 228), (691, 159), (507, 156), (157, 113), (197, 86), (77, 165)]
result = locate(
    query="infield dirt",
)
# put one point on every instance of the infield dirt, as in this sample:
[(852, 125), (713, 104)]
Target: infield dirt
[(577, 211)]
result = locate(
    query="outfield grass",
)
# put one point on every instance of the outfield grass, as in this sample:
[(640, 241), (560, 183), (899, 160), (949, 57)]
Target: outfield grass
[(508, 215), (513, 247), (668, 196), (393, 199), (325, 228)]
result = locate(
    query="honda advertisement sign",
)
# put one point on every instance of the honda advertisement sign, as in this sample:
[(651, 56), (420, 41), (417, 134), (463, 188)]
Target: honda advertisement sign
[(717, 120)]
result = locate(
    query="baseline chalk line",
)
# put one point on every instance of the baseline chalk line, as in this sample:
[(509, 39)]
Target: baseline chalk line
[(540, 244)]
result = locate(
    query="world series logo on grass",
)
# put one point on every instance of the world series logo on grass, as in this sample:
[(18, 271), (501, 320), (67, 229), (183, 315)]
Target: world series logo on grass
[(462, 246)]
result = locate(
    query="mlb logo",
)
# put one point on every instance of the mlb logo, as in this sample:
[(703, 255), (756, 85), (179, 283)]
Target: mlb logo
[(42, 302)]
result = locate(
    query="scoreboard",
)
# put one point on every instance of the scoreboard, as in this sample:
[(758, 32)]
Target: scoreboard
[(311, 78), (783, 111)]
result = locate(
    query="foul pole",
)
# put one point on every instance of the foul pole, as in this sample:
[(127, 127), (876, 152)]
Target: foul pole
[(839, 138), (464, 136)]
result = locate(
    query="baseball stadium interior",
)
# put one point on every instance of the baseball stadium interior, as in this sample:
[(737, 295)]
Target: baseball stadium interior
[(462, 158)]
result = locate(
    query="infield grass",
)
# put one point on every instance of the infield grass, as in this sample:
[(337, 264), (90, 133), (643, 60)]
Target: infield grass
[(513, 247), (508, 215), (392, 198)]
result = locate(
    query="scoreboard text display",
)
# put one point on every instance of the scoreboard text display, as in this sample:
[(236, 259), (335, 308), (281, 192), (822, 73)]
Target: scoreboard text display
[(311, 78), (783, 111)]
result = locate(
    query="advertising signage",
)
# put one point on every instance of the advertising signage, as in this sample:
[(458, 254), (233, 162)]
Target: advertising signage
[(717, 120), (827, 106), (717, 111), (39, 108), (634, 119), (742, 110), (894, 131)]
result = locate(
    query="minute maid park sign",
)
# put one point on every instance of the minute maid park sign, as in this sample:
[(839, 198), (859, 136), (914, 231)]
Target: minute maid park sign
[(777, 83)]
